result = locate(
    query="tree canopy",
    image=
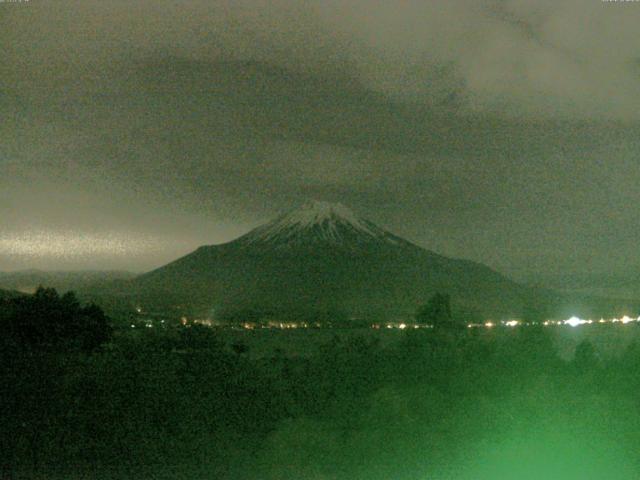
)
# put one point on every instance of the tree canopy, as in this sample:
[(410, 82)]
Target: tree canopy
[(436, 312), (49, 321)]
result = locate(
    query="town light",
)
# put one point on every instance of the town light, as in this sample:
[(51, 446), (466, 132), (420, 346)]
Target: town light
[(574, 321)]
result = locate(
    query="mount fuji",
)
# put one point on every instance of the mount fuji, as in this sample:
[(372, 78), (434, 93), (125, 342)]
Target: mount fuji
[(320, 223), (323, 259)]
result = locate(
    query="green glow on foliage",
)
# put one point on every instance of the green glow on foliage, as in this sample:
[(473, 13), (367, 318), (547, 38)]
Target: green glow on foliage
[(553, 454)]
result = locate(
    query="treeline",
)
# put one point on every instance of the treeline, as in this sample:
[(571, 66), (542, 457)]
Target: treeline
[(180, 403), (46, 321)]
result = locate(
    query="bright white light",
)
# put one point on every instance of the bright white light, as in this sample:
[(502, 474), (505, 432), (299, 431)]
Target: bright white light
[(575, 321), (488, 324), (402, 326), (626, 319), (512, 323)]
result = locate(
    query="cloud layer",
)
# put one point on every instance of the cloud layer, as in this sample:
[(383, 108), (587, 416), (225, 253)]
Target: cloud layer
[(568, 58), (503, 131)]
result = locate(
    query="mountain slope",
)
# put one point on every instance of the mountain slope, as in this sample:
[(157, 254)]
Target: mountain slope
[(323, 258)]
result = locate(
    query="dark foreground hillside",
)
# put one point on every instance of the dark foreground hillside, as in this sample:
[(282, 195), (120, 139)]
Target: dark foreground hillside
[(176, 404)]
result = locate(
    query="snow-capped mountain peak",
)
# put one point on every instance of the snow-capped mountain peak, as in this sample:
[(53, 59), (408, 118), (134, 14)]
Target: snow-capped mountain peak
[(317, 213), (319, 221)]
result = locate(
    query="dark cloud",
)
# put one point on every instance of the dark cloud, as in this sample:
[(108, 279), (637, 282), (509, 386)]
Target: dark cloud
[(503, 131)]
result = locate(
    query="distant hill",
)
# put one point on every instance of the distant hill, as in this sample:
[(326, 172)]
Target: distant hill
[(7, 294), (322, 257), (27, 281)]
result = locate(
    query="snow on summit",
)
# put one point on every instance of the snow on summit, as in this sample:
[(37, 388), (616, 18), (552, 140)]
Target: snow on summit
[(317, 220), (319, 213)]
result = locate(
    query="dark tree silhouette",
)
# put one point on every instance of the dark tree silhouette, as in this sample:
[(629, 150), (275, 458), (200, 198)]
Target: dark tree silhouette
[(199, 337), (436, 312), (239, 347), (585, 357), (47, 321)]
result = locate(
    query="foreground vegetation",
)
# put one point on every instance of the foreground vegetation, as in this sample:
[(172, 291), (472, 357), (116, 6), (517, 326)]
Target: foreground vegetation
[(179, 403)]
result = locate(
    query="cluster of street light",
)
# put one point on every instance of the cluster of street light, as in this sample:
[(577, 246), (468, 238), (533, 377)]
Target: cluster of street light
[(572, 322)]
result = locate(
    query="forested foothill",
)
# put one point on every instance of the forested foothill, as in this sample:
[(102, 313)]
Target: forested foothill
[(81, 400)]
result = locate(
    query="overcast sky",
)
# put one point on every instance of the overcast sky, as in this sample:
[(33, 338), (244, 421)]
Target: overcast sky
[(503, 131)]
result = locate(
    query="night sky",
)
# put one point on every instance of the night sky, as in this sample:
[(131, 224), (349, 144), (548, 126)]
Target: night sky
[(506, 132)]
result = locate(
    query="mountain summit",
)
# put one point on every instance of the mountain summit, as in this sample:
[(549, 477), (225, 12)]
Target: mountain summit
[(319, 222), (322, 257)]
